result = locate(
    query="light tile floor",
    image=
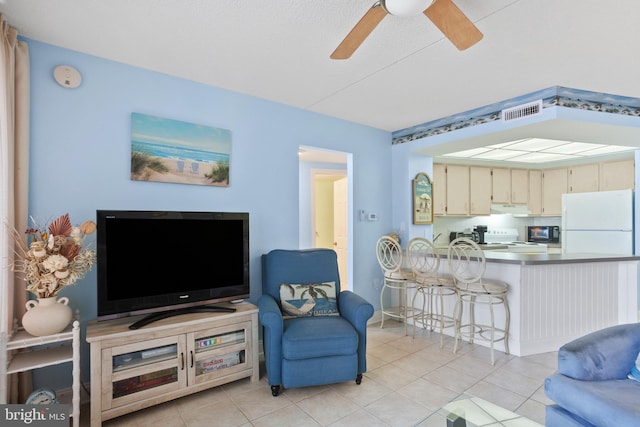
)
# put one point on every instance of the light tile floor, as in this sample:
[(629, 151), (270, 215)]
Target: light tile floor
[(407, 379)]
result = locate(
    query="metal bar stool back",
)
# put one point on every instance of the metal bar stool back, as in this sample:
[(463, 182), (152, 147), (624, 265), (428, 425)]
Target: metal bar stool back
[(467, 264), (396, 277), (431, 285)]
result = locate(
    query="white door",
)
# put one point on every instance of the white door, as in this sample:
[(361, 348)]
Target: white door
[(340, 228)]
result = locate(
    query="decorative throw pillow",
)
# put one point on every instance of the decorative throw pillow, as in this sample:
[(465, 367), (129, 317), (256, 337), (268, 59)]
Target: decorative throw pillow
[(305, 300), (635, 370)]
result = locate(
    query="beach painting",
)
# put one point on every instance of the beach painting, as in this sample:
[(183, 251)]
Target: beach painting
[(165, 150)]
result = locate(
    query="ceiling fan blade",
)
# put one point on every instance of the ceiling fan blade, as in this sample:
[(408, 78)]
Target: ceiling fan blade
[(453, 24), (360, 32)]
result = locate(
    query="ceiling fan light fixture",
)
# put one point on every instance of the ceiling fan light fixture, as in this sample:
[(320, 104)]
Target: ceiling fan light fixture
[(405, 7)]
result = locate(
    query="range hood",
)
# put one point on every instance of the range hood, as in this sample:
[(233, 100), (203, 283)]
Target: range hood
[(515, 210)]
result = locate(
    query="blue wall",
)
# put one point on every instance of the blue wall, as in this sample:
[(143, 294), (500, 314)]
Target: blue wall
[(80, 162)]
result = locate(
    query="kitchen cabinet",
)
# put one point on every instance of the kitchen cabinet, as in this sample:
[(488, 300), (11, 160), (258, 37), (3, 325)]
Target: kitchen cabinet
[(534, 199), (519, 186), (467, 190), (510, 186), (501, 185), (439, 189), (617, 175), (555, 182), (583, 178), (479, 190), (457, 190)]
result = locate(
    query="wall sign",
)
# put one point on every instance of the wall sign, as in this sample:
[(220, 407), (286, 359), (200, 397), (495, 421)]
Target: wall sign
[(422, 199)]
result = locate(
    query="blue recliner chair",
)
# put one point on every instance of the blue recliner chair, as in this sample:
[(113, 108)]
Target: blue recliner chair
[(310, 346)]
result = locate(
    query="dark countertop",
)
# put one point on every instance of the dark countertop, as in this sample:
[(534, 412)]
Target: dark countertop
[(496, 255), (546, 258)]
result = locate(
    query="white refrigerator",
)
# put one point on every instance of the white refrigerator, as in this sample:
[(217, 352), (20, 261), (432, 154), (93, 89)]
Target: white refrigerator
[(598, 222)]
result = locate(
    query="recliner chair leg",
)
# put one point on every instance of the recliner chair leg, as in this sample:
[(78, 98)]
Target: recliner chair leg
[(358, 379), (275, 389)]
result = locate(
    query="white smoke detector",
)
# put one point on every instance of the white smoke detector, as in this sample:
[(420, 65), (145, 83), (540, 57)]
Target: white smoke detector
[(67, 76)]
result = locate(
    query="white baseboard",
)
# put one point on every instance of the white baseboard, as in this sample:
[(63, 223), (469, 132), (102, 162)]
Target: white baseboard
[(376, 318)]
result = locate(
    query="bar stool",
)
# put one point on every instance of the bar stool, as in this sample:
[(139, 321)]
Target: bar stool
[(431, 285), (467, 264), (396, 277)]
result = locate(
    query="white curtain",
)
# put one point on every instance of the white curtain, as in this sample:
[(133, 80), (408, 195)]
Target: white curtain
[(14, 173)]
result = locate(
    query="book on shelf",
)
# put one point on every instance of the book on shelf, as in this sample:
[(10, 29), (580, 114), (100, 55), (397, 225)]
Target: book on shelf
[(141, 382)]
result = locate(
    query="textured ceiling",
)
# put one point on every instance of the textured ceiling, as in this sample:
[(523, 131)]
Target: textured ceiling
[(404, 74)]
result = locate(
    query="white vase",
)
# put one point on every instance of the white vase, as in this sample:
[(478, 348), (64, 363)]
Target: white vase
[(46, 316)]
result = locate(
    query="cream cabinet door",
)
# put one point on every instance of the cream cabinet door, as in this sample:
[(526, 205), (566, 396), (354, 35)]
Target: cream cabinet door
[(583, 178), (618, 175), (457, 190), (479, 190), (554, 184), (439, 189), (534, 200), (501, 185), (519, 186)]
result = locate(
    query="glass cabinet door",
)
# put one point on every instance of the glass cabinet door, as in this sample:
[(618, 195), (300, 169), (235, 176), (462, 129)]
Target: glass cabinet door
[(218, 352), (145, 368)]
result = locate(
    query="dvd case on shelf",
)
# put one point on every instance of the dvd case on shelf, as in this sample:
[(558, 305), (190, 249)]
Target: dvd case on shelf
[(219, 362), (216, 340)]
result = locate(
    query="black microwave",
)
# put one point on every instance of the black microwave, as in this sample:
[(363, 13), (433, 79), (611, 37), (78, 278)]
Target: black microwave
[(543, 234)]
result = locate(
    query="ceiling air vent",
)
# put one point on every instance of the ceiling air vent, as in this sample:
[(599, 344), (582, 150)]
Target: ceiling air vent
[(521, 111)]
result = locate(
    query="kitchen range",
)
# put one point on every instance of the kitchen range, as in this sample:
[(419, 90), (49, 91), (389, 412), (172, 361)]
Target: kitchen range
[(500, 239)]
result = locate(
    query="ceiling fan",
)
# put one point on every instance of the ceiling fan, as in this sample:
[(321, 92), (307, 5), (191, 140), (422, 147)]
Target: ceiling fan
[(443, 13)]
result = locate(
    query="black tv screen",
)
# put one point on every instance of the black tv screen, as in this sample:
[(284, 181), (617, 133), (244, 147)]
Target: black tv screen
[(155, 261)]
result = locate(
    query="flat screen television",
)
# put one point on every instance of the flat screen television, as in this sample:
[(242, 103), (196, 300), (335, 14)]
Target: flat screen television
[(164, 263)]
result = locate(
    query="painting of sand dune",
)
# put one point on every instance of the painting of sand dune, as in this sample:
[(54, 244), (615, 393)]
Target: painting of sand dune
[(165, 150)]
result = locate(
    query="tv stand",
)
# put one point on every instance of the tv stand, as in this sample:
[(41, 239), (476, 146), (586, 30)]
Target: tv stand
[(175, 357), (177, 312)]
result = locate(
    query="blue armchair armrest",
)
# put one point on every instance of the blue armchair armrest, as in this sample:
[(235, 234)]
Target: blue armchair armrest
[(357, 311), (271, 319), (607, 354)]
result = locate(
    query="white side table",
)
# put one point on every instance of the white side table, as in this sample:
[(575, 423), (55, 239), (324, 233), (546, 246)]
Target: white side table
[(30, 356)]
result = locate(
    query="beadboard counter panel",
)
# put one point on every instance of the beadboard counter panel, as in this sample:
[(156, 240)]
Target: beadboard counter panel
[(555, 298)]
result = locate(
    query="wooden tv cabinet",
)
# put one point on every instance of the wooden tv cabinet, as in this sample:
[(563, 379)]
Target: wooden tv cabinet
[(169, 358)]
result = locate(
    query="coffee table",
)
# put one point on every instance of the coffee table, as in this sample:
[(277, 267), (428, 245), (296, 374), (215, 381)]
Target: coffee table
[(469, 411)]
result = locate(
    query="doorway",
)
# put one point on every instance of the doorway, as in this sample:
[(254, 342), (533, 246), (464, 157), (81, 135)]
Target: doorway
[(329, 205)]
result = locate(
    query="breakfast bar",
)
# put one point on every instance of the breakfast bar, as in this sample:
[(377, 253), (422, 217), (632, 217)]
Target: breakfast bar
[(555, 298)]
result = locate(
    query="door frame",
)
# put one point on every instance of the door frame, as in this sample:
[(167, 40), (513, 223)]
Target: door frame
[(345, 159)]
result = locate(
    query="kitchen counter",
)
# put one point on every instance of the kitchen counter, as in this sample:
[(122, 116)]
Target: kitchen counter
[(552, 258), (502, 254), (555, 298)]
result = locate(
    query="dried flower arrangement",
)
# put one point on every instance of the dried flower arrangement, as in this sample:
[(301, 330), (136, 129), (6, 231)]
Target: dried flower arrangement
[(54, 259)]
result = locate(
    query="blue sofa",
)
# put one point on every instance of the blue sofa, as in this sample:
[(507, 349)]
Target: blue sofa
[(591, 387), (313, 350)]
